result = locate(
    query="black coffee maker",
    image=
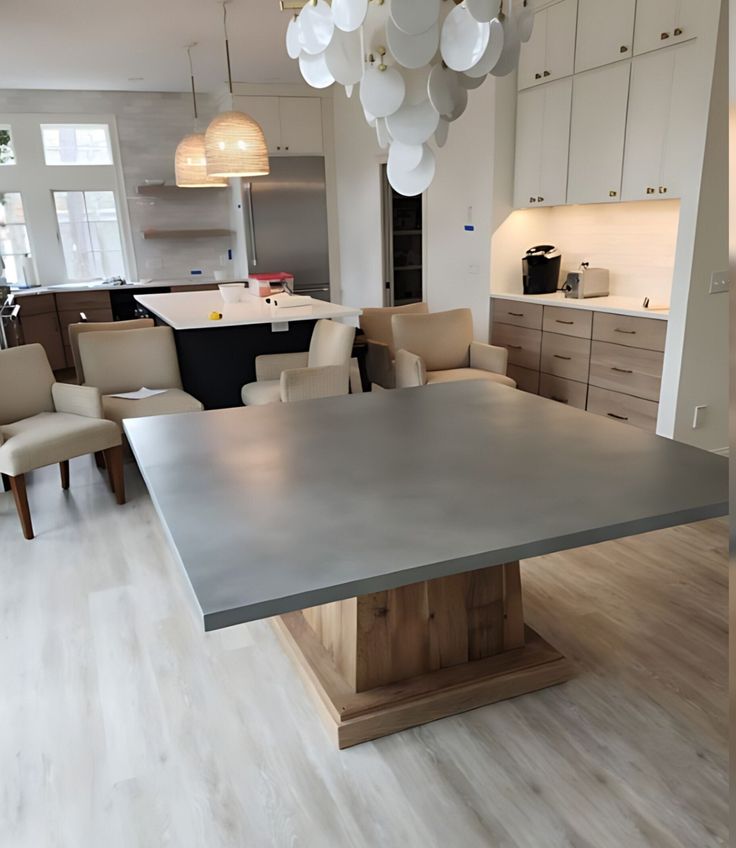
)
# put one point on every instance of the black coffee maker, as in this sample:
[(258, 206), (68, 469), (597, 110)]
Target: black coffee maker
[(541, 269)]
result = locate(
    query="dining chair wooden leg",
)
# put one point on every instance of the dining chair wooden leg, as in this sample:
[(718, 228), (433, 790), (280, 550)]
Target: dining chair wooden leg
[(18, 488), (114, 462), (100, 459), (6, 482), (64, 468)]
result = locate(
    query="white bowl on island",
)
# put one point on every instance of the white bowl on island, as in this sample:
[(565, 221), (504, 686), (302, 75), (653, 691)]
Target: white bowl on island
[(232, 292)]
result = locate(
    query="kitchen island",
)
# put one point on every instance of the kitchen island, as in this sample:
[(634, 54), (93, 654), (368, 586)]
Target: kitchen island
[(217, 357)]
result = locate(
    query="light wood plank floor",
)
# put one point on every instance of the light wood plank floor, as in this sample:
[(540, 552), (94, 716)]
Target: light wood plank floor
[(123, 725)]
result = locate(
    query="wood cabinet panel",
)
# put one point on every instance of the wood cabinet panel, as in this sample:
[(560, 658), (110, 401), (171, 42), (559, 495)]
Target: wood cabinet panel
[(568, 321), (626, 369), (44, 330), (564, 391), (526, 379), (518, 314), (624, 408), (36, 304), (67, 317), (647, 333), (522, 343), (605, 32), (203, 287), (565, 356), (81, 301)]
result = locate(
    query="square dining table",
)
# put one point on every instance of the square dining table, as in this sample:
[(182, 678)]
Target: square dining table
[(383, 532)]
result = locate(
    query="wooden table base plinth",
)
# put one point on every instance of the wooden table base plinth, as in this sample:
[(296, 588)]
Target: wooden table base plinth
[(392, 660)]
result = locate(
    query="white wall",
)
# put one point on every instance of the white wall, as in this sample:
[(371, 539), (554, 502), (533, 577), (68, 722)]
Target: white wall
[(150, 125), (635, 241)]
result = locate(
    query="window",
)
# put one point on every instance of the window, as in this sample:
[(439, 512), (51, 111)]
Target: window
[(13, 237), (76, 144), (90, 234), (7, 154)]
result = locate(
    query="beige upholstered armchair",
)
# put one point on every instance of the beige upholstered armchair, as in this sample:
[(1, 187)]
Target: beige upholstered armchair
[(43, 422), (75, 330), (128, 360), (375, 324), (322, 371), (439, 348)]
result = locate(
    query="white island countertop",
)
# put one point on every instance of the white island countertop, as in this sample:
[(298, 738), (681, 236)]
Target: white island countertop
[(612, 303), (191, 310)]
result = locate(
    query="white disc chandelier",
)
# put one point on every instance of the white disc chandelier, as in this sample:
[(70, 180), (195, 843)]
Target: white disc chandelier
[(414, 62)]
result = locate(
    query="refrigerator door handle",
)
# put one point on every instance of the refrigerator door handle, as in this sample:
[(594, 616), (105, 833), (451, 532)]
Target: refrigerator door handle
[(251, 231)]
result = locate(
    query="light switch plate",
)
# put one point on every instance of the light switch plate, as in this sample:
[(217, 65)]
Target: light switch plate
[(718, 282)]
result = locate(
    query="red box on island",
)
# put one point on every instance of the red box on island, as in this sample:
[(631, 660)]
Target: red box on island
[(263, 285)]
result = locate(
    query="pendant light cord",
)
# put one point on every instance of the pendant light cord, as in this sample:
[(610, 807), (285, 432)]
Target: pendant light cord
[(227, 46), (191, 77)]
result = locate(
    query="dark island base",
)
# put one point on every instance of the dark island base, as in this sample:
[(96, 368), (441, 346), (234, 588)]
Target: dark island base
[(216, 363)]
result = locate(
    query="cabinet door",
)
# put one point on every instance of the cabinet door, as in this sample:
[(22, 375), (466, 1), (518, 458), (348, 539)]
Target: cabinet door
[(265, 110), (597, 132), (550, 52), (532, 58), (301, 125), (555, 143), (661, 23), (44, 330), (605, 32), (529, 132)]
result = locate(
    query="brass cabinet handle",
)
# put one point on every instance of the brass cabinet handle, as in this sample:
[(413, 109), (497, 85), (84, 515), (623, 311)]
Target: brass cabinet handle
[(663, 189), (537, 76), (560, 321), (540, 200), (546, 74), (625, 332), (559, 356), (621, 370), (517, 314), (623, 49), (617, 417), (613, 193), (678, 31), (532, 200), (664, 36), (514, 347), (650, 190), (559, 399)]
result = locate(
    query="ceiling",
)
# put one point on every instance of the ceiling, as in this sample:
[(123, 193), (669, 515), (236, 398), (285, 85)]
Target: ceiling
[(109, 45)]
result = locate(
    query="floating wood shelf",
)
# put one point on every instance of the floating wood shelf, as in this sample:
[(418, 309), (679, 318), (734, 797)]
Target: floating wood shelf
[(184, 234), (163, 190)]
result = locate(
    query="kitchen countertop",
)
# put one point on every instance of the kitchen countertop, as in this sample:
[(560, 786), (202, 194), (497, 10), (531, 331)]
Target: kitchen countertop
[(190, 310), (612, 303), (137, 285)]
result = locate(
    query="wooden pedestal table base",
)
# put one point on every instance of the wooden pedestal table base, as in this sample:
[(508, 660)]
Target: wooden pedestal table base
[(388, 661)]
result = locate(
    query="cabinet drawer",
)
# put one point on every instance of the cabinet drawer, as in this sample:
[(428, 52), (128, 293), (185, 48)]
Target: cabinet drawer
[(522, 343), (568, 322), (563, 391), (82, 301), (36, 304), (648, 333), (629, 410), (626, 369), (526, 379), (518, 314), (68, 317), (565, 356)]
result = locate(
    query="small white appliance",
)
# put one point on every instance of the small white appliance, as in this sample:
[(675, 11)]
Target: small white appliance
[(587, 282)]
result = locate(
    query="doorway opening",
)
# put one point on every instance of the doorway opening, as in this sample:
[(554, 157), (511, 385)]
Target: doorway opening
[(403, 246)]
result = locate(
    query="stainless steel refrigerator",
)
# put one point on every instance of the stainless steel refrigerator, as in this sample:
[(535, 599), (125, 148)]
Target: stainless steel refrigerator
[(281, 223)]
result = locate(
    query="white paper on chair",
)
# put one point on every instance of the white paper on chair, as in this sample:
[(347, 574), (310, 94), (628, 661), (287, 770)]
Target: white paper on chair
[(141, 394)]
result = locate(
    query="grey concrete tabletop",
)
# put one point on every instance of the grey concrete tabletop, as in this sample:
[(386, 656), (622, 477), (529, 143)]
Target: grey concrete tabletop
[(276, 508)]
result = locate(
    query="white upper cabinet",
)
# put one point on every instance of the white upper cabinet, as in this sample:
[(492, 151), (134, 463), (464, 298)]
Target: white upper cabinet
[(292, 125), (605, 32), (542, 144), (660, 133), (661, 23), (550, 52), (597, 132)]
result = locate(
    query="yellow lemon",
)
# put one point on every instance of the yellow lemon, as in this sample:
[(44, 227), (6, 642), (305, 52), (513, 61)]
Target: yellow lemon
[(215, 316)]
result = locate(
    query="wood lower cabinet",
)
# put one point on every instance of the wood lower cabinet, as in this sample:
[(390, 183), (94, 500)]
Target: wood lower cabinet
[(605, 363), (44, 329)]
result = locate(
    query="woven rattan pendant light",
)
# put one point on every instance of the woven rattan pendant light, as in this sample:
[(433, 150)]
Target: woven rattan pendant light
[(190, 161), (234, 142)]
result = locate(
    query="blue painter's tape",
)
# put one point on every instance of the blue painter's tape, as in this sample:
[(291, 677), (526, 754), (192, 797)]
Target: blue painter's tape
[(469, 228), (195, 273)]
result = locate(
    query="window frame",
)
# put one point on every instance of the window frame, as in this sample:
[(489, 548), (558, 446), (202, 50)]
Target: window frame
[(36, 181)]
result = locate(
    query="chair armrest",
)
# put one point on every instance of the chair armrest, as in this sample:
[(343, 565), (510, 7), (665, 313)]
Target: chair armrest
[(310, 383), (77, 400), (488, 357), (410, 370), (379, 365), (270, 365)]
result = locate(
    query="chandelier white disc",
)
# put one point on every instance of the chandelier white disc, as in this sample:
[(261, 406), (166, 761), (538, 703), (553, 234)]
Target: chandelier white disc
[(470, 83), (461, 104), (415, 181), (349, 90), (293, 45), (413, 124), (382, 134), (443, 89), (405, 157), (315, 71), (493, 53), (344, 57), (349, 14), (382, 92), (414, 16), (525, 22), (315, 27), (441, 133), (463, 40), (416, 84), (371, 120), (412, 51), (511, 48), (482, 10)]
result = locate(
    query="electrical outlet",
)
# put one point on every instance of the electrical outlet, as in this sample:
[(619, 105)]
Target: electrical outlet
[(718, 282)]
